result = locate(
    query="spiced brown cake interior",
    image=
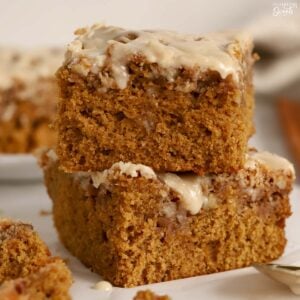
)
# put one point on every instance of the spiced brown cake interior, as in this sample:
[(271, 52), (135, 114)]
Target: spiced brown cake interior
[(134, 226), (152, 178), (28, 96), (27, 269), (171, 101)]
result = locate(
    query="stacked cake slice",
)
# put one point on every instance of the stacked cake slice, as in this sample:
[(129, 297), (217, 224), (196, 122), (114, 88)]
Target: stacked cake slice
[(152, 178)]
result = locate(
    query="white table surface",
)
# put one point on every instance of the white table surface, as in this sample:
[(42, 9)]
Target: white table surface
[(25, 200)]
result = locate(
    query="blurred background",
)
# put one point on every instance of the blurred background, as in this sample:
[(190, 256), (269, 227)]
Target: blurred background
[(275, 25), (53, 21)]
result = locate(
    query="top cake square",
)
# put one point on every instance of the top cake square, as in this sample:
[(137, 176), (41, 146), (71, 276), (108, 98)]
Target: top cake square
[(173, 102)]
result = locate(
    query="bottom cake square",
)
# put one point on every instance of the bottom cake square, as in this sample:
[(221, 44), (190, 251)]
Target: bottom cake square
[(134, 226)]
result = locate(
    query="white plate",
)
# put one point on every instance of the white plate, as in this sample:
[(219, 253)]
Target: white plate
[(24, 201), (19, 167)]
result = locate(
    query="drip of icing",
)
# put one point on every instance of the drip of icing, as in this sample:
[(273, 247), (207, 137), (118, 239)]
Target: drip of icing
[(270, 160), (189, 187), (103, 286), (129, 169), (96, 45)]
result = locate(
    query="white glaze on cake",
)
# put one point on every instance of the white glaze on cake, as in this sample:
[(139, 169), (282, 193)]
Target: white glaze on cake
[(187, 186), (191, 187), (129, 169), (100, 45), (269, 160), (104, 286)]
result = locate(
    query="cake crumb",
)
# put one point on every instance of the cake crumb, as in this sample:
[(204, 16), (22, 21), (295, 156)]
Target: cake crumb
[(44, 212), (27, 268), (149, 295), (66, 260)]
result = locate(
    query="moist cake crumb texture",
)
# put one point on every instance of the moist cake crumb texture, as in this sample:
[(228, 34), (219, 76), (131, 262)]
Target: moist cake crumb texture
[(183, 103), (135, 230), (27, 269)]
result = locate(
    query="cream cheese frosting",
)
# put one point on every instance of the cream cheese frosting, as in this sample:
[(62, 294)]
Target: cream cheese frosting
[(190, 186), (129, 169), (269, 160), (187, 186), (101, 45), (104, 286)]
